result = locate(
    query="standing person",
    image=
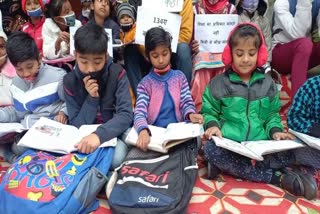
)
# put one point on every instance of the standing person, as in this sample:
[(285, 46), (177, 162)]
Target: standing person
[(34, 9), (97, 92), (55, 30), (304, 117), (163, 95), (292, 39), (207, 65), (243, 104)]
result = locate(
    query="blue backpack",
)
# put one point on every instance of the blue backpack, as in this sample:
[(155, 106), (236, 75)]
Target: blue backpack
[(41, 182)]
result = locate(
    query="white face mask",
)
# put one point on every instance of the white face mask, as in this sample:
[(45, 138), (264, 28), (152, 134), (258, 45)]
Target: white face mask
[(86, 13), (3, 57)]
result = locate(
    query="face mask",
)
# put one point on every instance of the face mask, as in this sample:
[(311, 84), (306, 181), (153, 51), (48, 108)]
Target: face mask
[(95, 74), (35, 13), (213, 1), (69, 20), (86, 13), (164, 70), (3, 57), (250, 5), (126, 27)]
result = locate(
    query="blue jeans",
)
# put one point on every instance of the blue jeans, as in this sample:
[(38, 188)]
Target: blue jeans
[(181, 60), (120, 152)]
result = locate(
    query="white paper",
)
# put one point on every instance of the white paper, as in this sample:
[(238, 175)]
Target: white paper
[(309, 140), (168, 5), (72, 32), (6, 128), (110, 46), (150, 17), (212, 31)]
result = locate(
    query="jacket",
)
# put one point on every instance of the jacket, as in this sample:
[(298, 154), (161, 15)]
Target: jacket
[(129, 37), (261, 20), (50, 33), (41, 98), (242, 112), (35, 31), (287, 27), (151, 91), (304, 113), (114, 102), (8, 72), (186, 28)]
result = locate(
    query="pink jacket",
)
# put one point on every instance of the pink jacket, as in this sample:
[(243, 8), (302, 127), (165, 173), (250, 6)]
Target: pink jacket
[(35, 31), (6, 75)]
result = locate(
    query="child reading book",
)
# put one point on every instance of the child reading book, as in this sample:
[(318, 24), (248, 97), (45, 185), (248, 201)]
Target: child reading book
[(163, 95), (304, 117), (243, 104), (97, 91), (37, 90)]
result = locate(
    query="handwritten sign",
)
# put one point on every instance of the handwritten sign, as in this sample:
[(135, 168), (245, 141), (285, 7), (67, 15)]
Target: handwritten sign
[(1, 28), (72, 31), (212, 31), (169, 5), (149, 17)]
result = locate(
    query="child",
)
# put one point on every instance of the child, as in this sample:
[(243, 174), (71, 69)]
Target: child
[(97, 91), (207, 65), (243, 104), (255, 11), (34, 9), (292, 39), (55, 30), (85, 11), (304, 117), (7, 72), (37, 90), (163, 95)]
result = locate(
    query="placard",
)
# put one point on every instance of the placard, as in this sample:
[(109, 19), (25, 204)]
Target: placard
[(149, 17), (212, 31), (169, 5)]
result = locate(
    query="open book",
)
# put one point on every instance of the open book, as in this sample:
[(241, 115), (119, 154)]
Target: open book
[(7, 128), (307, 139), (49, 135), (162, 139), (255, 149)]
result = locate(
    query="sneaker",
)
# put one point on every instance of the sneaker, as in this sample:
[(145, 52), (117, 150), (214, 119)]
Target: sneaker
[(310, 185), (291, 182), (212, 171)]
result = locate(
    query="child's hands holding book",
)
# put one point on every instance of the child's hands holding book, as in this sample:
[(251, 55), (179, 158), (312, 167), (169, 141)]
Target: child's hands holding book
[(88, 144), (91, 86), (196, 118), (283, 136), (143, 140), (213, 131), (61, 118)]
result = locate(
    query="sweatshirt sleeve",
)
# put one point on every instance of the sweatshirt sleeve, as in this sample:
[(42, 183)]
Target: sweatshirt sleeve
[(141, 110), (9, 115), (297, 26), (122, 119), (186, 28)]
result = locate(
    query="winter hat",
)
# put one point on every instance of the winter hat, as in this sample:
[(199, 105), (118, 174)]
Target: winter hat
[(3, 35), (126, 9), (41, 2)]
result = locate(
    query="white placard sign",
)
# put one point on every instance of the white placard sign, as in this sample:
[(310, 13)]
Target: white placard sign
[(149, 17), (212, 31), (72, 31), (1, 28), (169, 5)]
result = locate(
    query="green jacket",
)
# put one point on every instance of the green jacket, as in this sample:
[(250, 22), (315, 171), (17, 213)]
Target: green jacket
[(242, 112)]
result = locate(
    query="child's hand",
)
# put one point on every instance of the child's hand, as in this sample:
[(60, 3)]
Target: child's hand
[(88, 144), (143, 140), (283, 136), (65, 36), (61, 118), (195, 46), (213, 131), (196, 118), (91, 86)]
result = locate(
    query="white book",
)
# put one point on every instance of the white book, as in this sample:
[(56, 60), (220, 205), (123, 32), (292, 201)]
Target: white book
[(52, 136), (307, 139), (256, 149), (162, 139), (7, 128)]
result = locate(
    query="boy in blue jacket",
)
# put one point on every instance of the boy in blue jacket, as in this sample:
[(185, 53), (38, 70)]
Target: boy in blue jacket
[(97, 91)]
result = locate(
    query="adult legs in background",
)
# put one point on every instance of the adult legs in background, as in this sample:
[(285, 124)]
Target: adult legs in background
[(293, 57), (181, 60)]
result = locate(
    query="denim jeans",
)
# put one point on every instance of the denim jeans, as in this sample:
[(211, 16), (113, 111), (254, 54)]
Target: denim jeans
[(181, 60), (120, 152)]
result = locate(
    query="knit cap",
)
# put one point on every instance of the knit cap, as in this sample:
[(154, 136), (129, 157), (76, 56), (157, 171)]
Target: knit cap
[(126, 9), (41, 2)]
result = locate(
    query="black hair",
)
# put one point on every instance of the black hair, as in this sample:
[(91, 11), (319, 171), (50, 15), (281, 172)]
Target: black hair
[(245, 32), (156, 36), (91, 39), (111, 9), (21, 47), (54, 7)]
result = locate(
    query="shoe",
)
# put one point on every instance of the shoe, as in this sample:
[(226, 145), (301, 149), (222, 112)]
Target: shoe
[(292, 182), (212, 171), (310, 185)]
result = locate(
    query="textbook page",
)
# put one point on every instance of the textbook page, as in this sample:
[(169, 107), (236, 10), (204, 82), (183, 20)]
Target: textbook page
[(7, 128), (307, 139)]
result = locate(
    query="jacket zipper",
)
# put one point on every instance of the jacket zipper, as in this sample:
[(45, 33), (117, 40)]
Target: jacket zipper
[(247, 109)]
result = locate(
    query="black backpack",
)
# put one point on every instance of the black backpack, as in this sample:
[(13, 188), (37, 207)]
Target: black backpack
[(153, 182)]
